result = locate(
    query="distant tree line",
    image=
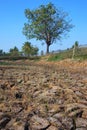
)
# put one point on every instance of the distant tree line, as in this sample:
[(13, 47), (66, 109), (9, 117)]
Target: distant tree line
[(27, 50)]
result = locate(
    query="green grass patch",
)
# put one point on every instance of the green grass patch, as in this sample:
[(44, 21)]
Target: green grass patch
[(55, 57), (80, 54)]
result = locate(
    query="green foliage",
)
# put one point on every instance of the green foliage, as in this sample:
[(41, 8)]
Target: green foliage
[(46, 23), (29, 50), (75, 49), (76, 44), (55, 57), (14, 51), (34, 50), (81, 54), (26, 48), (15, 54), (12, 58), (2, 53)]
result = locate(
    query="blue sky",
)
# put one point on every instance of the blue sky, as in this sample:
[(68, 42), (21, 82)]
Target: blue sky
[(12, 19)]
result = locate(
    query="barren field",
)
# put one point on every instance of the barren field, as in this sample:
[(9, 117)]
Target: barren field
[(43, 95)]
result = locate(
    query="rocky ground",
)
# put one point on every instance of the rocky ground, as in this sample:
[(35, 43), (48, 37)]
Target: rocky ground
[(43, 96)]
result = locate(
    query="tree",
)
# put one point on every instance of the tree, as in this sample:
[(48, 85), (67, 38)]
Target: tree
[(26, 48), (1, 52), (46, 23), (34, 50), (75, 46), (14, 51)]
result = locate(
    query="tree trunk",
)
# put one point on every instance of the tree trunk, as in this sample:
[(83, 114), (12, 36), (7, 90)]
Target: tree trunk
[(48, 48), (73, 55)]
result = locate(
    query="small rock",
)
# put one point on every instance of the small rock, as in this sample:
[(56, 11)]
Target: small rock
[(80, 122), (52, 128), (20, 128), (38, 123), (81, 129), (54, 122), (19, 80), (78, 93), (58, 115)]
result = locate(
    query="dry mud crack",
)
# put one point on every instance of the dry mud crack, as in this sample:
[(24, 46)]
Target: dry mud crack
[(43, 96)]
